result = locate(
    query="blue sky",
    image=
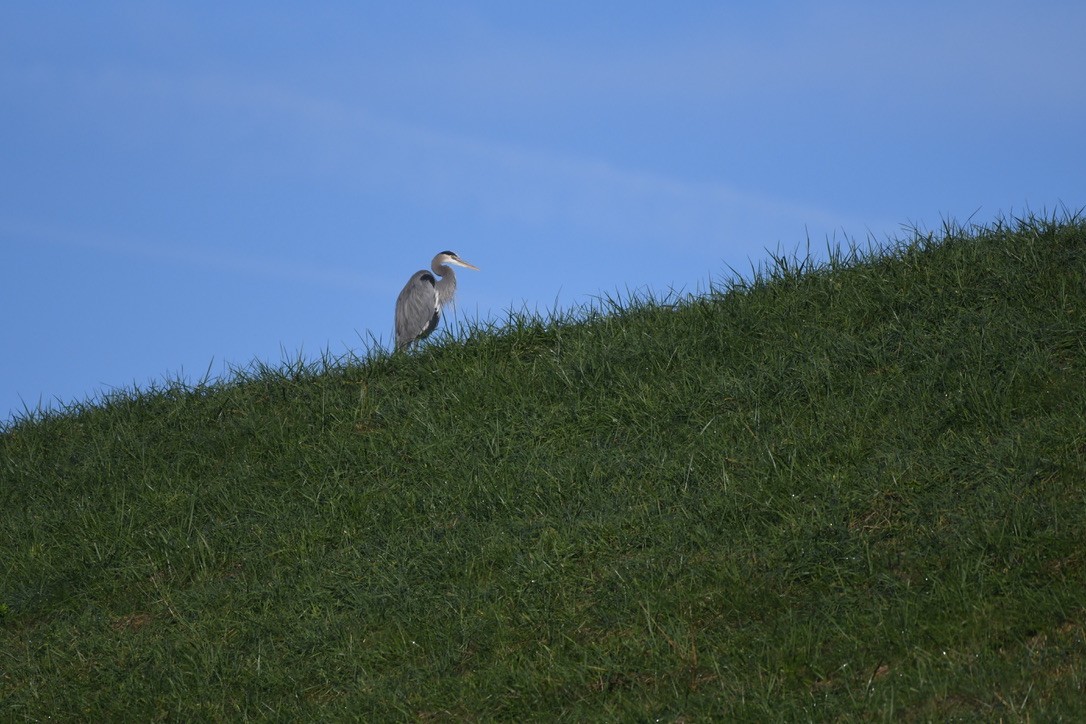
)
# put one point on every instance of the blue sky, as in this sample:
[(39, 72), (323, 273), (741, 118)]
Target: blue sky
[(191, 186)]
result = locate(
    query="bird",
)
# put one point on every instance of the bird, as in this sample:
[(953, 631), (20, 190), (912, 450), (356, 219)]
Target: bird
[(418, 308)]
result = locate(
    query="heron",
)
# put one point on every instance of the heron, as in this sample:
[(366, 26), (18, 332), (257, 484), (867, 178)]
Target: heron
[(418, 308)]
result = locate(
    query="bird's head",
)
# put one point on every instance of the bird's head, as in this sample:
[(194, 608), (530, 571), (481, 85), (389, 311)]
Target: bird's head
[(450, 257)]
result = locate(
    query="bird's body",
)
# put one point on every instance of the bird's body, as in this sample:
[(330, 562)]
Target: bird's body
[(418, 308)]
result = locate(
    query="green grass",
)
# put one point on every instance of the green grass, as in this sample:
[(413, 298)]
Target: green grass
[(854, 489)]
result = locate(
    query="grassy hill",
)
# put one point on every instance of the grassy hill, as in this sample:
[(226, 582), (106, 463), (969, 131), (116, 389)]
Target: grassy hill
[(855, 489)]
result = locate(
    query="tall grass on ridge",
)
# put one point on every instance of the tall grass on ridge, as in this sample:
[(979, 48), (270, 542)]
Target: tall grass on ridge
[(853, 489)]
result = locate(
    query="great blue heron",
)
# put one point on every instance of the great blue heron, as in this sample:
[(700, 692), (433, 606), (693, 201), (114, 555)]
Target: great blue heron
[(418, 308)]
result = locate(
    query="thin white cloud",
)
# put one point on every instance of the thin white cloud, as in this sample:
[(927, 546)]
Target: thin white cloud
[(506, 181), (364, 150), (187, 254)]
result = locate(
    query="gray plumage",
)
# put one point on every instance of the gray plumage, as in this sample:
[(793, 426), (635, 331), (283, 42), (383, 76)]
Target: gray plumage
[(418, 308)]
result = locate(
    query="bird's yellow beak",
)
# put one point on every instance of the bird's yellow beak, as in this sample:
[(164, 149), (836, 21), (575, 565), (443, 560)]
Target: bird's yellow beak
[(461, 262)]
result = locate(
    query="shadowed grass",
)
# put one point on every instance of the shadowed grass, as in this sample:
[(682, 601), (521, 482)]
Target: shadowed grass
[(851, 489)]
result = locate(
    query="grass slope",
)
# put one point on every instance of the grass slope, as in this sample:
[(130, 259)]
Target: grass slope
[(856, 489)]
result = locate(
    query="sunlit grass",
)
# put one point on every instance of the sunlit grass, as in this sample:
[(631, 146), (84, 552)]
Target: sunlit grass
[(847, 489)]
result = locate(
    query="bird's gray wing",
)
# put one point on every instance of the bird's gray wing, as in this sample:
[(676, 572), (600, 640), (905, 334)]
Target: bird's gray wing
[(416, 309)]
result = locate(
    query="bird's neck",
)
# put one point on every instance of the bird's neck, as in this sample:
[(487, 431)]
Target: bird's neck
[(446, 287)]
